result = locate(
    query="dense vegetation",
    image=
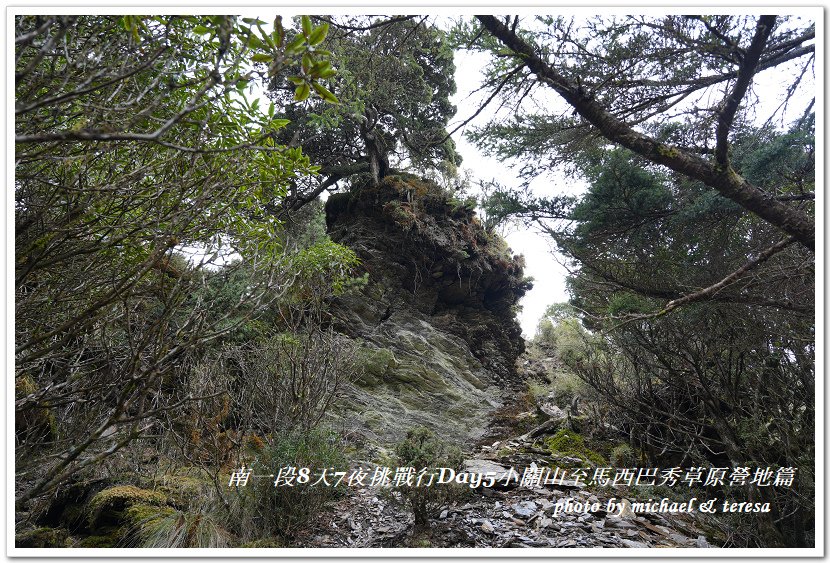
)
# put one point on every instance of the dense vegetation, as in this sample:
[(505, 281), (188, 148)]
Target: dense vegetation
[(696, 306), (174, 281)]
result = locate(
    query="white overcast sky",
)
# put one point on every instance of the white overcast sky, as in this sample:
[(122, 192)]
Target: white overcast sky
[(541, 261)]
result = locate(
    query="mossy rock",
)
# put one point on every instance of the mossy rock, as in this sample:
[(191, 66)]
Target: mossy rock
[(139, 514), (43, 537), (108, 506), (265, 543), (569, 443), (111, 539), (377, 363), (182, 486)]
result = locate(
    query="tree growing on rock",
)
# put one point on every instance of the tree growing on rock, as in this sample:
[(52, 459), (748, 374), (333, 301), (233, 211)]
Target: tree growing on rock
[(394, 79)]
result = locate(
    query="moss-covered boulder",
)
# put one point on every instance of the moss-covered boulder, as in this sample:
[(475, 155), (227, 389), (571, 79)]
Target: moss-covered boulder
[(43, 537), (436, 320), (568, 443), (108, 507), (111, 539)]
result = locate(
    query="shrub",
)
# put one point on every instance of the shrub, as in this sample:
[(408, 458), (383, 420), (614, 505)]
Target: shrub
[(623, 456), (266, 511), (566, 386), (422, 449)]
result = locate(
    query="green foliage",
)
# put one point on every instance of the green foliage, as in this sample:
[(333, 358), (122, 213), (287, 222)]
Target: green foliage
[(267, 511), (145, 179), (623, 456), (563, 334), (325, 267), (621, 194), (394, 80), (565, 386), (423, 449), (569, 443)]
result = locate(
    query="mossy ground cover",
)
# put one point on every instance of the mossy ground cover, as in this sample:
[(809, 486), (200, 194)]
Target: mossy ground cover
[(571, 444)]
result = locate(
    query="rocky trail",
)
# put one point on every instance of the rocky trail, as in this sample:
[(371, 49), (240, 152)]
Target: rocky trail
[(514, 516)]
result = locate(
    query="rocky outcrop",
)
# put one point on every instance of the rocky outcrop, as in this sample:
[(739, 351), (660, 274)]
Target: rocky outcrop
[(436, 320)]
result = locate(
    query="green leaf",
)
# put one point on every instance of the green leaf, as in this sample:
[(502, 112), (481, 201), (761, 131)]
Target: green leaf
[(325, 94), (316, 37), (302, 92), (306, 22), (328, 73), (201, 30), (271, 110), (308, 62), (262, 58), (293, 46), (255, 42), (322, 70), (297, 80)]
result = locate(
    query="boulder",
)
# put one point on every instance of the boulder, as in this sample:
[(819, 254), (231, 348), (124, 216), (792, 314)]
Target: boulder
[(436, 321)]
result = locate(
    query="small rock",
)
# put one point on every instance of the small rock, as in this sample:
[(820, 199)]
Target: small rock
[(543, 522), (444, 514), (701, 542), (632, 543), (569, 484), (624, 509), (567, 543), (618, 523), (487, 527), (485, 467), (525, 508)]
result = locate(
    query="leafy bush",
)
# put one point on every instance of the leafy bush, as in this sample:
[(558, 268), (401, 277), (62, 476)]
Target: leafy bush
[(566, 386), (422, 449), (263, 510), (623, 456)]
